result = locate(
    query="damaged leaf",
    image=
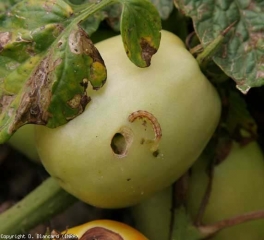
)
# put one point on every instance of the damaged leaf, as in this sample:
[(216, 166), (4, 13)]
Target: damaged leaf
[(112, 13), (5, 5), (140, 31), (138, 21), (236, 117), (46, 64), (47, 60), (241, 54)]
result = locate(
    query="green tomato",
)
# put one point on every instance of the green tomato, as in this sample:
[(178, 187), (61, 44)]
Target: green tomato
[(104, 158), (24, 141), (237, 188), (153, 215)]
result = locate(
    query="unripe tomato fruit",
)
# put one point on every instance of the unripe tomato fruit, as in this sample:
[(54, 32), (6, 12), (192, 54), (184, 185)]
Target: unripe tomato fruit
[(104, 230), (237, 188), (24, 141), (107, 161), (153, 215)]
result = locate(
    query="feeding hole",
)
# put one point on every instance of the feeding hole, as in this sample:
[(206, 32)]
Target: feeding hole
[(118, 144), (121, 142)]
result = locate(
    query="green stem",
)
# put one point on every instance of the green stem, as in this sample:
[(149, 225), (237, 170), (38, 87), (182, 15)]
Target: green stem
[(210, 230), (91, 9), (42, 203), (208, 52)]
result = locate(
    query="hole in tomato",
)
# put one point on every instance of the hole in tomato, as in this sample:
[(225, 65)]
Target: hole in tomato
[(119, 144)]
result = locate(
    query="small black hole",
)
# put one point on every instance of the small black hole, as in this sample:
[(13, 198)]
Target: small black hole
[(118, 144)]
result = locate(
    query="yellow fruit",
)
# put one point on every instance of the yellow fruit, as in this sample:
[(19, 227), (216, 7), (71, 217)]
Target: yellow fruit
[(103, 229)]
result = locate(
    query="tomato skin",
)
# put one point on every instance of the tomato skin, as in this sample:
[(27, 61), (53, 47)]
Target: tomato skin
[(153, 215), (104, 229), (80, 154), (23, 141), (237, 188)]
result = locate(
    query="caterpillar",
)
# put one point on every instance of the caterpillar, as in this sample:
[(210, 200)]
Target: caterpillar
[(154, 122)]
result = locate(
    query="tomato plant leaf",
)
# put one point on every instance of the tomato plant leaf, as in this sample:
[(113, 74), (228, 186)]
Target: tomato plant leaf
[(236, 118), (164, 7), (139, 23), (113, 18), (90, 24), (47, 59), (113, 12), (241, 54), (5, 5), (46, 63), (140, 30)]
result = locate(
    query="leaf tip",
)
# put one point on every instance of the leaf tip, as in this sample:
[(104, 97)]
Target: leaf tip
[(148, 49), (243, 88)]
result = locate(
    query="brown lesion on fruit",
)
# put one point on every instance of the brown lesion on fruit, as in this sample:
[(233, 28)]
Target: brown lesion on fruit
[(5, 37), (121, 142), (147, 50), (101, 233), (141, 114)]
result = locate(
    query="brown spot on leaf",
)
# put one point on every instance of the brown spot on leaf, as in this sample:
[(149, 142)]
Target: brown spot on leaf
[(100, 233), (5, 37), (147, 50), (59, 44), (34, 103), (5, 101), (34, 110), (57, 62), (31, 51), (84, 101), (80, 43), (75, 102), (255, 41), (84, 83)]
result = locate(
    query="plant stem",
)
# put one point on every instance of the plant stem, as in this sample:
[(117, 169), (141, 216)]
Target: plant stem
[(209, 230), (45, 201), (207, 194), (91, 9), (179, 197), (203, 57)]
